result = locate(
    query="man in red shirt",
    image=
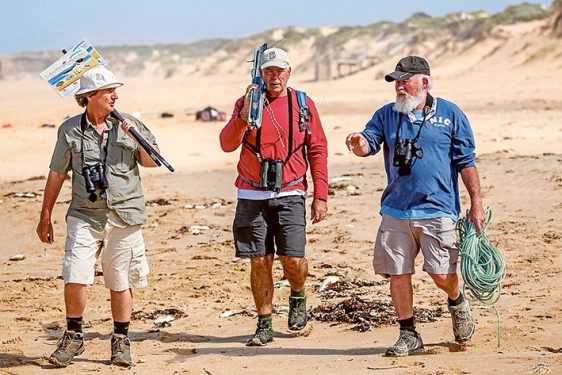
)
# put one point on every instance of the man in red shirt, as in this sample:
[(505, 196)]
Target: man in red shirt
[(271, 188)]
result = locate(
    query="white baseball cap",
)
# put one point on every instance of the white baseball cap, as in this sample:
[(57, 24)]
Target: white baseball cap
[(97, 79), (275, 57)]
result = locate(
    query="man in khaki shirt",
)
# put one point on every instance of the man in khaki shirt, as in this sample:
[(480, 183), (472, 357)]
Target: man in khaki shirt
[(105, 214)]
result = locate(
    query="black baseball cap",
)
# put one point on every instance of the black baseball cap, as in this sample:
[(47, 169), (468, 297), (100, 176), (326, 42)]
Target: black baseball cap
[(408, 67)]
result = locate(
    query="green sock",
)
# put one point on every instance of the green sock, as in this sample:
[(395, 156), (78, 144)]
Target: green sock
[(300, 294), (266, 317)]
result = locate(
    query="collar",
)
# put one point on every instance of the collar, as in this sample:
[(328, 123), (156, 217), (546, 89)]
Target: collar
[(85, 122)]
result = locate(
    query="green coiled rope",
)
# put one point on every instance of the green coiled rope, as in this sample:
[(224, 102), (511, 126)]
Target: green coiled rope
[(482, 265)]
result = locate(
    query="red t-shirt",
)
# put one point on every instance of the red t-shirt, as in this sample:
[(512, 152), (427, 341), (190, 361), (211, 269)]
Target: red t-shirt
[(274, 145)]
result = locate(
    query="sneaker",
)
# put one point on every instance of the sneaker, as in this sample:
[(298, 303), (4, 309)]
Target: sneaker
[(70, 345), (463, 326), (297, 313), (409, 342), (120, 350), (263, 335)]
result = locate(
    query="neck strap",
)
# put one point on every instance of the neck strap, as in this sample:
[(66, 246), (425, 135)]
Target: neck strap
[(83, 126), (426, 111)]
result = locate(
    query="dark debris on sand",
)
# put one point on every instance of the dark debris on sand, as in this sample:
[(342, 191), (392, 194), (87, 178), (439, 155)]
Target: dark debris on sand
[(362, 313), (366, 315)]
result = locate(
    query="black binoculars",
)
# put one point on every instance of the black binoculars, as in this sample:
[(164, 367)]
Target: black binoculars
[(271, 175), (404, 152), (94, 177)]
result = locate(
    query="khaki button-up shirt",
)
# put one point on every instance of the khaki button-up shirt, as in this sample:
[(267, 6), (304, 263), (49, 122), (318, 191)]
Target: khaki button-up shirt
[(119, 154)]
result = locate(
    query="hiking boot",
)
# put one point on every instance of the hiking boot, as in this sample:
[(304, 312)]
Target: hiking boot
[(263, 335), (70, 345), (463, 326), (297, 313), (120, 350), (409, 342)]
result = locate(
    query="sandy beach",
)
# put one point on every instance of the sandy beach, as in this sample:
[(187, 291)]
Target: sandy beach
[(515, 110)]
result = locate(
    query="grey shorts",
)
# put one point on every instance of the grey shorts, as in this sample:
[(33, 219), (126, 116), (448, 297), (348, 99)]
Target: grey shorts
[(399, 242), (270, 226)]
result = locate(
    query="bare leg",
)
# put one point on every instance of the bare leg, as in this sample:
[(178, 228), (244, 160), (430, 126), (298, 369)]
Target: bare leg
[(122, 305), (449, 283), (75, 298), (402, 295), (261, 279), (296, 271)]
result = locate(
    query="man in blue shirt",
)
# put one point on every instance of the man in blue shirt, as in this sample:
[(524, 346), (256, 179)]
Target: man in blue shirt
[(426, 143)]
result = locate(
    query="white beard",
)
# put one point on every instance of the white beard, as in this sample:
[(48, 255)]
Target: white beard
[(408, 104)]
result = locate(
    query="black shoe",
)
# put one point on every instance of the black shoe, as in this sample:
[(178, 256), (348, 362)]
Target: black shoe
[(297, 313), (409, 342), (263, 335), (71, 344), (120, 350)]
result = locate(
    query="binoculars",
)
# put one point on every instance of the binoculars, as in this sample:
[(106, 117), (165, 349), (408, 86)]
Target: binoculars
[(94, 177), (404, 152), (271, 175)]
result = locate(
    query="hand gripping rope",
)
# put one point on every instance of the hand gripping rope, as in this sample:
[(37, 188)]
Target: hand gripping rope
[(482, 265)]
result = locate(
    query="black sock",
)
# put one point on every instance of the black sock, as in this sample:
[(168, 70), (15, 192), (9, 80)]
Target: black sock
[(121, 328), (407, 324), (457, 301), (74, 324)]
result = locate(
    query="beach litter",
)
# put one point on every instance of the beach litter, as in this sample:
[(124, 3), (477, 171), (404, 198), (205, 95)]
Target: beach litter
[(328, 280), (352, 190), (198, 229), (161, 317), (229, 313), (17, 257), (164, 321), (22, 195)]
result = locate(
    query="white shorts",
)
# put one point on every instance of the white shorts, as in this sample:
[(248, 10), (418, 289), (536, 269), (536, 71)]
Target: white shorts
[(123, 258), (399, 242)]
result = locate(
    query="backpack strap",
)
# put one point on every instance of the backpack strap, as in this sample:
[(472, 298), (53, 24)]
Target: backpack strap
[(304, 112)]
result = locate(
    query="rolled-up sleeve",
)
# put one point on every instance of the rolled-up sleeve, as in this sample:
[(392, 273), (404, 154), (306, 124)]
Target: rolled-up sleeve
[(463, 144), (62, 157)]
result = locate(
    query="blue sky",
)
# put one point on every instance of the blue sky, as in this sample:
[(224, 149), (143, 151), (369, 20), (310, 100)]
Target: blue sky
[(29, 25)]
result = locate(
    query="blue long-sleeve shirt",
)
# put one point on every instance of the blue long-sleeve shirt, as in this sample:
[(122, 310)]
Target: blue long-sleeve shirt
[(431, 189)]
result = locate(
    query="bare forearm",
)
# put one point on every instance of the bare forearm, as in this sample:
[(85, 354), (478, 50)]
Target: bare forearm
[(144, 158), (471, 181), (53, 186)]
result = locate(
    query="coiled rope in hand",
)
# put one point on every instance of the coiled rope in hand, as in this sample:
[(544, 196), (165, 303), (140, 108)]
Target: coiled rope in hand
[(482, 265)]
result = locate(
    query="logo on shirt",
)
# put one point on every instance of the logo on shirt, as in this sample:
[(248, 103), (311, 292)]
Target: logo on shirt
[(439, 121)]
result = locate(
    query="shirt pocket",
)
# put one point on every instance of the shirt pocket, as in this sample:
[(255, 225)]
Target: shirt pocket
[(123, 155), (91, 156)]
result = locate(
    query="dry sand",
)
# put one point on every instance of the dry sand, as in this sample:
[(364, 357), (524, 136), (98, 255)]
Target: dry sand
[(515, 113)]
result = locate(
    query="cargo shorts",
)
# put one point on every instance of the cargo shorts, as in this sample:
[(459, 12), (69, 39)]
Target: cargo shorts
[(271, 226), (399, 242), (122, 251)]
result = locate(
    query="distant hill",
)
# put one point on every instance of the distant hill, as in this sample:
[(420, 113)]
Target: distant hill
[(319, 53)]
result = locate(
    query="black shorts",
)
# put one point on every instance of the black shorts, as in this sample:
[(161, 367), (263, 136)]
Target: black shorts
[(263, 226)]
